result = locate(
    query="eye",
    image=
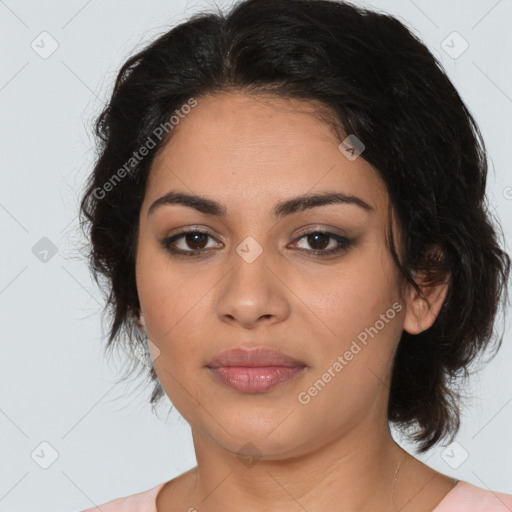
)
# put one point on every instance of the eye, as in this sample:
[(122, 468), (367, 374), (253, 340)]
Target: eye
[(321, 240), (195, 239)]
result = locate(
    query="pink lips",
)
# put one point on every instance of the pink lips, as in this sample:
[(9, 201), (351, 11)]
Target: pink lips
[(254, 370)]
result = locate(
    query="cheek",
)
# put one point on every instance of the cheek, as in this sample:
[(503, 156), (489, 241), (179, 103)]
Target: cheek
[(353, 297), (172, 305), (171, 318), (164, 295), (355, 371), (362, 311)]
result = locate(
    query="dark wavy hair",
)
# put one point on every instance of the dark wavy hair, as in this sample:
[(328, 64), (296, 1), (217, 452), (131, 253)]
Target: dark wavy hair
[(376, 80)]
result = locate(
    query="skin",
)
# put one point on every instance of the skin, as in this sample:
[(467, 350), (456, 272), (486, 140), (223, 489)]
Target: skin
[(248, 153)]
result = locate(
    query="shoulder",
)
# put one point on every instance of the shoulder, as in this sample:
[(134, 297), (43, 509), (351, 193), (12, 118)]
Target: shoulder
[(466, 497), (144, 501)]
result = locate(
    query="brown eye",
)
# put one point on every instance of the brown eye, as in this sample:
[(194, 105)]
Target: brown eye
[(320, 241), (195, 243), (196, 240), (187, 243)]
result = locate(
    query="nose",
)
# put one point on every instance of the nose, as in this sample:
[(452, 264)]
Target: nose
[(252, 293)]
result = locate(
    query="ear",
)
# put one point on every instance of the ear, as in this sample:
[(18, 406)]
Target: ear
[(141, 323), (421, 312)]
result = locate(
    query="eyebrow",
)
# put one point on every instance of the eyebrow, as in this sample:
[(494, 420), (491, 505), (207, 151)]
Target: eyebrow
[(280, 210)]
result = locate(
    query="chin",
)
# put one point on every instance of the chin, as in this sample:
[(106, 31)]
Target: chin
[(268, 438)]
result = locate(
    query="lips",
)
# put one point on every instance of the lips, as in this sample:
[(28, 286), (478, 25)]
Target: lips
[(254, 370), (252, 358)]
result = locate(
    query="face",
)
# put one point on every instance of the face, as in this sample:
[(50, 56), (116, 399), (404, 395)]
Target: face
[(315, 282)]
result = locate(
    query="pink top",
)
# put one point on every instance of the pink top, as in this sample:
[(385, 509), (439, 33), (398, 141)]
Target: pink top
[(464, 497)]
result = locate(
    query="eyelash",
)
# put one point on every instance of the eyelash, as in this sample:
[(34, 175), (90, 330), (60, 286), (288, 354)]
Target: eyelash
[(344, 243)]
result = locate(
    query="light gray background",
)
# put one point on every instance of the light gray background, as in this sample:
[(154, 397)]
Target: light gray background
[(56, 387)]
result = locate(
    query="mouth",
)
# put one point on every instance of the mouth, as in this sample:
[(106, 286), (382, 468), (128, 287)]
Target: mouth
[(254, 370)]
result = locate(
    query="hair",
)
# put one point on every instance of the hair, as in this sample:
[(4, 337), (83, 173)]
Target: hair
[(377, 81)]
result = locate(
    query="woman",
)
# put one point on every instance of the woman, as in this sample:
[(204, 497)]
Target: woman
[(289, 209)]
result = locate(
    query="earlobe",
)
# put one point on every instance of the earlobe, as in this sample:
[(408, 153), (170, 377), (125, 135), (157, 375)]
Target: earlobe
[(141, 323), (422, 311)]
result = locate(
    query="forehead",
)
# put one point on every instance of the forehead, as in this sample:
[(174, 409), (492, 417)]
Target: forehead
[(254, 147)]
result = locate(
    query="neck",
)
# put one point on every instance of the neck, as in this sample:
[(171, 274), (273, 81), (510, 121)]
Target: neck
[(358, 469)]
